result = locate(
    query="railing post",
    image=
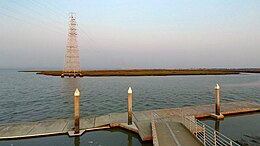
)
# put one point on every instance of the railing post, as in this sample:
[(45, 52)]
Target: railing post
[(190, 125), (130, 112), (204, 135), (196, 127), (215, 138), (76, 111)]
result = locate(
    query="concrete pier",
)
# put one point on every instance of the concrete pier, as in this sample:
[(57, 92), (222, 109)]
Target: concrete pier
[(141, 121)]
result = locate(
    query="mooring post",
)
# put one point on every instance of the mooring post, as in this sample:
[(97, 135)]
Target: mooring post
[(77, 131), (217, 99), (130, 112), (217, 115), (76, 111)]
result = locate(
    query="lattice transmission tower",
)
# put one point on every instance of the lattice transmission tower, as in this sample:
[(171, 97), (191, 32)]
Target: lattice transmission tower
[(72, 59)]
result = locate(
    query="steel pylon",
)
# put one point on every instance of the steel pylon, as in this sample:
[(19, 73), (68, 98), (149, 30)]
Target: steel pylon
[(72, 58)]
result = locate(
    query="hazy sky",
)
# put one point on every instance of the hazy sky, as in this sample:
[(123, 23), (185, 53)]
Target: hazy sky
[(132, 33)]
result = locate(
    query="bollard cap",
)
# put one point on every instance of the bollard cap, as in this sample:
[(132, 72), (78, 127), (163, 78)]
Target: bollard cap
[(77, 93), (217, 87), (130, 90)]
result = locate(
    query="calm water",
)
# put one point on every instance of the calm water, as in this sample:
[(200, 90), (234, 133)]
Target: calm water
[(29, 97), (111, 137), (244, 129)]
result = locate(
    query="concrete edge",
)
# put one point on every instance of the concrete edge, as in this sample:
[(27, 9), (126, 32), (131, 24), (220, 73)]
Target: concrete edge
[(241, 111), (132, 127), (72, 134), (218, 117), (33, 135), (251, 110)]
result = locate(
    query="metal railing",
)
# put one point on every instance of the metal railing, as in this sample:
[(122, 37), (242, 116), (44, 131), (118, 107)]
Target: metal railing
[(205, 134)]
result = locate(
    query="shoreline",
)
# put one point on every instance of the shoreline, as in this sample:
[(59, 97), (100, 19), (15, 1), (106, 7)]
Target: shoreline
[(149, 72)]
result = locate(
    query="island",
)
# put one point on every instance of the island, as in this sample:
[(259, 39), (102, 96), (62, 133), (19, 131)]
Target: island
[(149, 72)]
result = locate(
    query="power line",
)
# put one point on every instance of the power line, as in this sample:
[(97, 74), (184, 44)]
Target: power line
[(25, 18), (92, 46), (53, 11), (16, 18), (31, 9), (85, 33), (57, 8)]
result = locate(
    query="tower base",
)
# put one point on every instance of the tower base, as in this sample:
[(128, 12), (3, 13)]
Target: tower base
[(71, 75)]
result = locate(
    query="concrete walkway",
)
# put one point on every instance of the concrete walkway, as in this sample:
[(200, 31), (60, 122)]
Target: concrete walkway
[(141, 121), (171, 133)]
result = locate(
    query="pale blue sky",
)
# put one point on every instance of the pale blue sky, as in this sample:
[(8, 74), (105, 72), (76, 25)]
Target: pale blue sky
[(132, 33)]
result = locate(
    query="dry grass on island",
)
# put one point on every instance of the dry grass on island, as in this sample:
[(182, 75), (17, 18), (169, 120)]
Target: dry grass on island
[(153, 72)]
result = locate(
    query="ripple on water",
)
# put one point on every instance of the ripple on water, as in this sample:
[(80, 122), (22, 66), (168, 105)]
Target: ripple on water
[(50, 97)]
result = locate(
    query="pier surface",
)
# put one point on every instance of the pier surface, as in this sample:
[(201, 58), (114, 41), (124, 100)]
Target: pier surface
[(167, 132), (141, 122)]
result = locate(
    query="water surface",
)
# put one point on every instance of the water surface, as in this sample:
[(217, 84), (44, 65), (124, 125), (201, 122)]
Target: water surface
[(28, 97), (244, 129), (111, 137)]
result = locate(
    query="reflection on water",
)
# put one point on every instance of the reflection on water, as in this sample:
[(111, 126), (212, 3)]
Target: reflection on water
[(111, 137), (130, 143), (76, 141), (68, 85), (217, 124)]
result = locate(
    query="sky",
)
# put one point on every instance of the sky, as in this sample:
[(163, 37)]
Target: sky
[(132, 34)]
